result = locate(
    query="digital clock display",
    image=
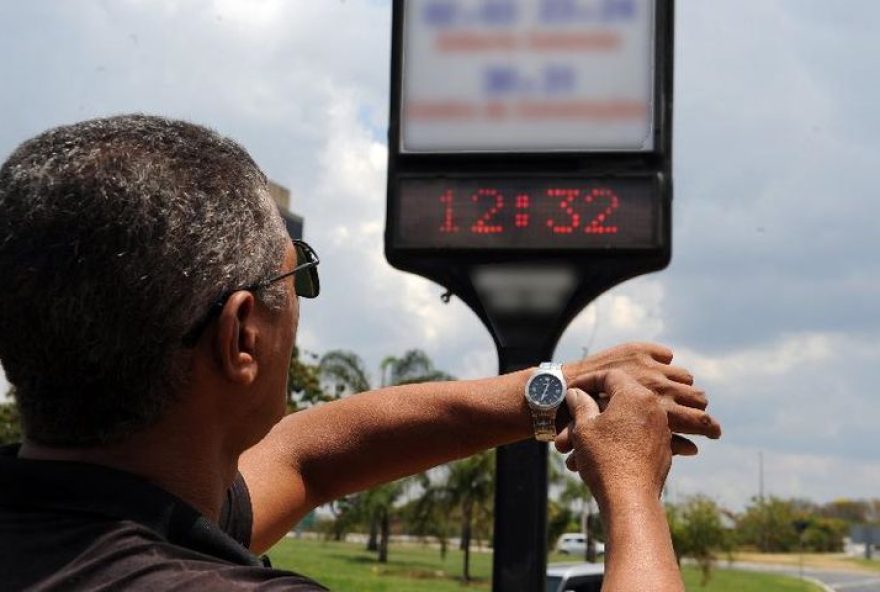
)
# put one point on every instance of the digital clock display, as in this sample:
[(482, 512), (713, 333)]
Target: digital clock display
[(509, 213)]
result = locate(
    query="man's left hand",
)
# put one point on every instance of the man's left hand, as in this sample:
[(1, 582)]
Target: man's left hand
[(651, 365)]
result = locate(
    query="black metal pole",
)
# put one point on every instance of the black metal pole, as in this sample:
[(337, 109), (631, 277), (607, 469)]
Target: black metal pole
[(520, 533)]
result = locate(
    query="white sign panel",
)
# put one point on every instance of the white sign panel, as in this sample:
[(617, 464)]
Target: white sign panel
[(528, 76)]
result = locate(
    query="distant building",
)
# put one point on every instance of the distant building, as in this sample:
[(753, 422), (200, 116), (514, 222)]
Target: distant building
[(863, 540), (294, 223)]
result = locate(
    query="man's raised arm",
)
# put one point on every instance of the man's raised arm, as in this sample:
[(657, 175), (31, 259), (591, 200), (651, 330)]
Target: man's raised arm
[(323, 453)]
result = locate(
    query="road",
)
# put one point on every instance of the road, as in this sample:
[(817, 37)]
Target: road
[(838, 581)]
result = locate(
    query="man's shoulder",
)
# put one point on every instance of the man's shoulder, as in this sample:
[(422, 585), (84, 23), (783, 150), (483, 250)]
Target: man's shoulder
[(78, 553), (65, 526)]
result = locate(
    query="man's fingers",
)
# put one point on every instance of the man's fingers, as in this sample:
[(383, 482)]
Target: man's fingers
[(601, 400), (685, 417), (678, 374), (582, 408), (681, 446), (593, 382), (581, 405), (687, 420), (686, 395), (563, 441), (605, 383), (659, 352)]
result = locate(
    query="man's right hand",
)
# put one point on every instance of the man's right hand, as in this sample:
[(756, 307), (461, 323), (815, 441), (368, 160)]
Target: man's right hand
[(623, 454), (626, 449)]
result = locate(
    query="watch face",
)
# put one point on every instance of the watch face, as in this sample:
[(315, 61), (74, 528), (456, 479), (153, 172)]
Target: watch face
[(546, 390)]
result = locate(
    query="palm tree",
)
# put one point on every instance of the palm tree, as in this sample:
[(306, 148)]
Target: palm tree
[(347, 374), (471, 484), (345, 371), (465, 487), (304, 387), (10, 420), (428, 515), (575, 496), (412, 367)]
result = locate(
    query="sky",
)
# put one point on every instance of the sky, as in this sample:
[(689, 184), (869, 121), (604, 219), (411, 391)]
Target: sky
[(772, 295)]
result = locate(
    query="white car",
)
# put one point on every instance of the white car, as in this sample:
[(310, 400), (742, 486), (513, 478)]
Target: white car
[(579, 577), (575, 543)]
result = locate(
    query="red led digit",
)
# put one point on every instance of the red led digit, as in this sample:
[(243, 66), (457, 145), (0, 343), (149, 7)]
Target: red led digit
[(566, 201), (484, 224), (521, 219), (448, 223), (599, 223)]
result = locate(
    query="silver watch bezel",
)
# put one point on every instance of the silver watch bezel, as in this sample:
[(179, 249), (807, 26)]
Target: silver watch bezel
[(554, 370)]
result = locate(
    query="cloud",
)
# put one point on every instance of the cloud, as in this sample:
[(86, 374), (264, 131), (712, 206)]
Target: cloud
[(773, 211), (803, 393), (731, 475), (632, 311), (780, 359)]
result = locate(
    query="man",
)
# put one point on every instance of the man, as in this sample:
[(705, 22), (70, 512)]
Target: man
[(147, 318)]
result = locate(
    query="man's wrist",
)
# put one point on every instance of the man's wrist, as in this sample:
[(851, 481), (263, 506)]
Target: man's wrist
[(625, 517), (631, 499)]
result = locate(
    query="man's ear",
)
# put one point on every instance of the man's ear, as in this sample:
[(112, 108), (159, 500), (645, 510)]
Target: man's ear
[(236, 338)]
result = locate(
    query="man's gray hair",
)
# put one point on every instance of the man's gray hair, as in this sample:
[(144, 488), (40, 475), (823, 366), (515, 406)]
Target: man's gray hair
[(116, 237)]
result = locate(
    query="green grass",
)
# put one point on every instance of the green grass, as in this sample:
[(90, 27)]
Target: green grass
[(827, 561), (731, 580), (346, 566), (872, 564)]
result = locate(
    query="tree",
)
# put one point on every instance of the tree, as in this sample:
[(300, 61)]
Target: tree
[(577, 501), (823, 535), (304, 381), (471, 485), (697, 532), (852, 511), (345, 517), (412, 367), (577, 496), (10, 423), (346, 374), (768, 525), (345, 371), (377, 505), (560, 519), (428, 515), (782, 526), (464, 488)]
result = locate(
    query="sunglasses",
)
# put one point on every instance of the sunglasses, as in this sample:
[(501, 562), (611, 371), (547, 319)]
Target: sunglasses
[(305, 283)]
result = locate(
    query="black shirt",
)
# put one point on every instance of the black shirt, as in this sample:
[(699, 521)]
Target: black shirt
[(75, 526)]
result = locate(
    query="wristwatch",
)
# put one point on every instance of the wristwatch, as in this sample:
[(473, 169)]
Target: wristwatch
[(545, 391)]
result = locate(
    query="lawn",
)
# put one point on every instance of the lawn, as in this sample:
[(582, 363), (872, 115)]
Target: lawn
[(832, 561), (867, 564), (348, 567), (731, 580)]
